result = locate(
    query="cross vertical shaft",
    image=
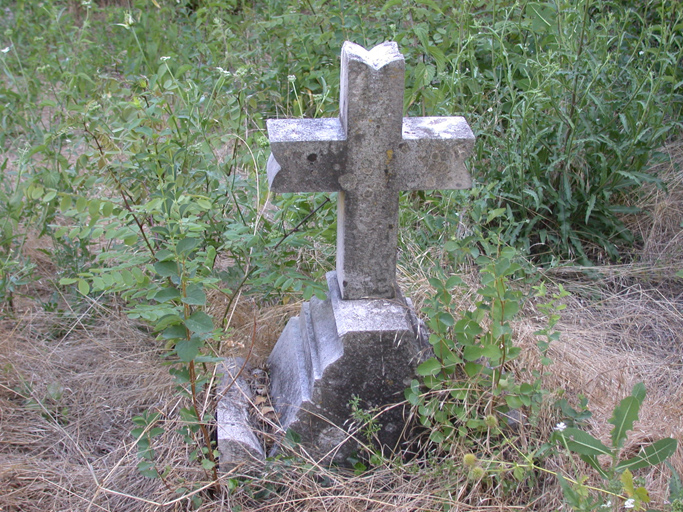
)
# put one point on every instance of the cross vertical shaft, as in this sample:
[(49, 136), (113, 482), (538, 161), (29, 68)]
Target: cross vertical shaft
[(371, 114)]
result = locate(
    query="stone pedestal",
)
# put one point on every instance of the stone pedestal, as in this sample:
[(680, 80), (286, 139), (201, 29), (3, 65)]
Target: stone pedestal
[(335, 350)]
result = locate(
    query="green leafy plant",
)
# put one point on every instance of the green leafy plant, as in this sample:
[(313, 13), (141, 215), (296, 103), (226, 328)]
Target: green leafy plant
[(618, 473), (368, 426), (675, 490), (471, 388), (50, 405)]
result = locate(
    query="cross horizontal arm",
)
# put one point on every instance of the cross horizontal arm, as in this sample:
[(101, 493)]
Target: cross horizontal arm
[(432, 154), (307, 155)]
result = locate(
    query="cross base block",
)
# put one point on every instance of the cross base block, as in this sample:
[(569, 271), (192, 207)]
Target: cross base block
[(337, 350)]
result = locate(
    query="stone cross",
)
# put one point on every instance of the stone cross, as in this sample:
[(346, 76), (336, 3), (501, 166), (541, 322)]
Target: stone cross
[(363, 341), (369, 154)]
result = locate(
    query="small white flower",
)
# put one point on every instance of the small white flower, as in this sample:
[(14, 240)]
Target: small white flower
[(630, 503), (490, 109), (606, 505), (86, 3), (560, 426), (291, 78), (164, 59), (6, 49), (641, 52), (128, 21), (223, 72)]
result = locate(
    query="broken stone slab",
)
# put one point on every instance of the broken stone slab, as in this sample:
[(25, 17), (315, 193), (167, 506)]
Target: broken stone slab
[(337, 350), (237, 441)]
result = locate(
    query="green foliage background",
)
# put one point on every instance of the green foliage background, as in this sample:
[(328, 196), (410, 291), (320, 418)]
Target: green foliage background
[(570, 102)]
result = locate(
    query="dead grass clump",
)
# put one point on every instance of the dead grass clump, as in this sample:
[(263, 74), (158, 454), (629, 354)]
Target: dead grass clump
[(251, 329), (69, 385), (660, 227), (418, 485)]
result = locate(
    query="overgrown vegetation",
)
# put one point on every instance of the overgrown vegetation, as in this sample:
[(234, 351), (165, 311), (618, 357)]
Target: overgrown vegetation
[(134, 149)]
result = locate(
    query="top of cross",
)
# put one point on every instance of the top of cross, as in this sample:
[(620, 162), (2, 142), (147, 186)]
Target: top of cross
[(369, 154)]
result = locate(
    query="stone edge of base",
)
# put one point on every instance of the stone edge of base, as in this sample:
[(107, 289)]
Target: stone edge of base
[(237, 443)]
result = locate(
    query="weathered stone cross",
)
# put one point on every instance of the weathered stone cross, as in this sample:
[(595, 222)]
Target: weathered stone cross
[(369, 154)]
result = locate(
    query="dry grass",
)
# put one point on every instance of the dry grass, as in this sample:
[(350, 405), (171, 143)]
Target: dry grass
[(71, 380)]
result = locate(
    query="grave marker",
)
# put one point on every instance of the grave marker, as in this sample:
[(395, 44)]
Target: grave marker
[(364, 339)]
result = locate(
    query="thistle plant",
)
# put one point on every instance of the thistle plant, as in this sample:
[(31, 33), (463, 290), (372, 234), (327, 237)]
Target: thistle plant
[(621, 486)]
